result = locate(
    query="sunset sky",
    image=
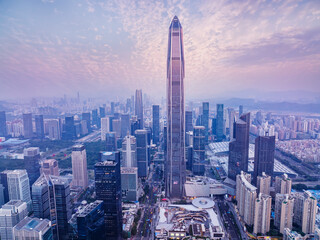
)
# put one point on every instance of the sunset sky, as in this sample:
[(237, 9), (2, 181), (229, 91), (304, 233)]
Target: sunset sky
[(110, 48)]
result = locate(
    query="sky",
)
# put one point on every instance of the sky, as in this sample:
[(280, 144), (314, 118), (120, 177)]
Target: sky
[(110, 48)]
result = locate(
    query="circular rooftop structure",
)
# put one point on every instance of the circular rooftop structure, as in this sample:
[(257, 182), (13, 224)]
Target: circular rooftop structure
[(203, 203)]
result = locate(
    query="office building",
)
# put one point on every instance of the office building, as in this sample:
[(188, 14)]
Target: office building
[(95, 118), (246, 195), (283, 184), (129, 183), (18, 186), (283, 213), (50, 167), (108, 189), (175, 171), (3, 124), (39, 126), (79, 166), (304, 211), (102, 112), (69, 132), (4, 183), (155, 124), (232, 115), (138, 110), (105, 127), (111, 141), (198, 166), (220, 123), (88, 221), (51, 200), (263, 184), (188, 120), (240, 110), (87, 117), (262, 214), (116, 126), (27, 125), (33, 228), (125, 125), (53, 129), (129, 152), (32, 163), (239, 147), (264, 156), (205, 120), (142, 153), (11, 214)]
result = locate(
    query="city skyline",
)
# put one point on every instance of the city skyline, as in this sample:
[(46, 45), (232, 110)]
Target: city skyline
[(241, 49)]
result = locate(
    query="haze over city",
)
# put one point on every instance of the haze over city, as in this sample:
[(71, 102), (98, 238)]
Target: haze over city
[(242, 49)]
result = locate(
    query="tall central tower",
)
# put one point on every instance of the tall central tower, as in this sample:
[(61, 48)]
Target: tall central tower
[(176, 165)]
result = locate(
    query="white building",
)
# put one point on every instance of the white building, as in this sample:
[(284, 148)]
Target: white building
[(79, 166)]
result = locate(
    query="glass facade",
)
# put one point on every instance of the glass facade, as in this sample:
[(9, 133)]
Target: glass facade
[(176, 165), (155, 124)]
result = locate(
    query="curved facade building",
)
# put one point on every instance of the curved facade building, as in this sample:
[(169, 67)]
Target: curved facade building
[(176, 166)]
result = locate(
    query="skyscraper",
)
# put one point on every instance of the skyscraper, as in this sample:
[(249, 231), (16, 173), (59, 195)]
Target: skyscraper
[(139, 107), (129, 152), (220, 123), (129, 183), (262, 214), (27, 125), (125, 125), (32, 163), (189, 125), (263, 183), (54, 129), (18, 186), (240, 110), (283, 213), (33, 228), (10, 214), (105, 122), (205, 120), (232, 115), (239, 147), (264, 156), (111, 144), (39, 126), (142, 152), (155, 124), (198, 166), (69, 132), (102, 112), (176, 166), (283, 184), (87, 117), (50, 167), (95, 118), (3, 124), (79, 166), (108, 189)]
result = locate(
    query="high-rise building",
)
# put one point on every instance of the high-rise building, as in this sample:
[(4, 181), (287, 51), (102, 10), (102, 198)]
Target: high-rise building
[(142, 152), (239, 147), (283, 184), (262, 214), (32, 163), (111, 141), (155, 124), (125, 125), (205, 120), (305, 210), (51, 200), (129, 183), (240, 110), (264, 156), (3, 124), (39, 126), (53, 129), (50, 167), (263, 184), (69, 132), (232, 116), (88, 221), (189, 125), (87, 117), (33, 228), (129, 152), (116, 126), (27, 125), (246, 195), (108, 189), (95, 118), (283, 213), (11, 214), (79, 166), (4, 183), (139, 107), (102, 112), (220, 123), (175, 166), (198, 166), (18, 186), (105, 122)]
